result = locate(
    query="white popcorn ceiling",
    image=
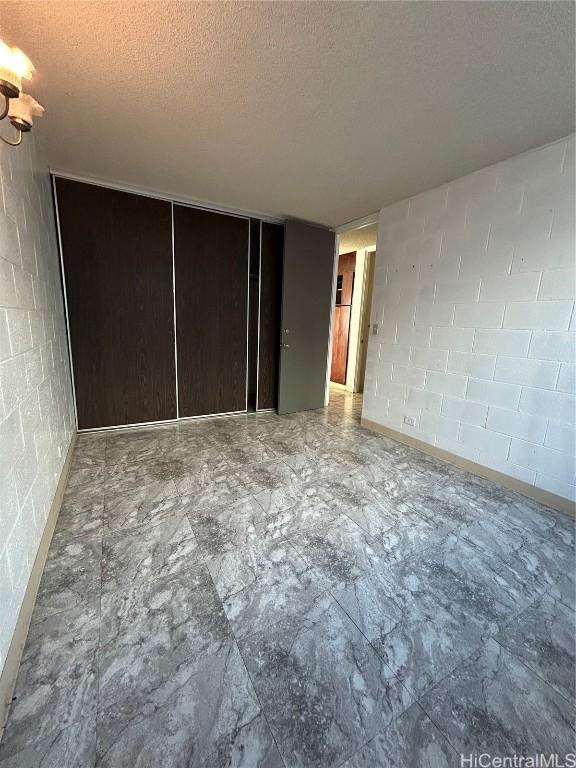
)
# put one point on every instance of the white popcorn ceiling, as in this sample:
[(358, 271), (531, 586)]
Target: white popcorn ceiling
[(323, 111)]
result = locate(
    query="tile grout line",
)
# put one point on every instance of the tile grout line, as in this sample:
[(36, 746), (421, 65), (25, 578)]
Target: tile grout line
[(236, 643)]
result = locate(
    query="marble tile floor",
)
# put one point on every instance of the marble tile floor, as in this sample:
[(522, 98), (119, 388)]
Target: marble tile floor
[(298, 592)]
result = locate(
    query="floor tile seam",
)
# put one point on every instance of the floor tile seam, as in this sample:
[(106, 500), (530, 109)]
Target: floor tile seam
[(151, 579), (52, 735), (393, 676), (224, 501), (511, 564), (539, 596), (415, 696), (92, 662), (498, 569), (561, 601), (111, 496), (34, 622), (262, 708), (63, 538), (482, 643), (99, 538), (237, 547), (370, 643), (534, 672), (420, 699), (270, 628), (440, 730), (107, 532), (67, 504), (394, 720), (316, 524), (526, 526), (235, 640), (97, 659)]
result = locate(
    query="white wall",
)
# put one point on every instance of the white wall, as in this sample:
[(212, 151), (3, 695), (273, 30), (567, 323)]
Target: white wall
[(36, 407), (474, 296)]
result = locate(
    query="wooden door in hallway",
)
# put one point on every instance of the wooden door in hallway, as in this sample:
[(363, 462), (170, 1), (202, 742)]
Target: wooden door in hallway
[(341, 320)]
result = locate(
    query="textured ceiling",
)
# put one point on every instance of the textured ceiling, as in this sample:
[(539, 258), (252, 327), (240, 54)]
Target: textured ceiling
[(356, 239), (317, 110)]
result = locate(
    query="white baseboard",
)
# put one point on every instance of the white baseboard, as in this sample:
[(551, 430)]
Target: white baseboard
[(538, 494), (12, 662)]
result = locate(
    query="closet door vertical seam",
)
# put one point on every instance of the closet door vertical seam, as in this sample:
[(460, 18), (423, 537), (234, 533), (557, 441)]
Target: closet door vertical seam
[(175, 321), (248, 313), (259, 304)]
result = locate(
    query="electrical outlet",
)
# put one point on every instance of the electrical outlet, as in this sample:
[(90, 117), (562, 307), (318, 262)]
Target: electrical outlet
[(410, 421), (375, 329)]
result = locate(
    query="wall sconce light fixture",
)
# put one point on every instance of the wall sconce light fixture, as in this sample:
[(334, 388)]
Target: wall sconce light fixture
[(20, 108)]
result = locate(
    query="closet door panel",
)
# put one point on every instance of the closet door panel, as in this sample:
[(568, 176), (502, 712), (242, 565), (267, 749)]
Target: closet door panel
[(270, 313), (211, 268), (117, 255)]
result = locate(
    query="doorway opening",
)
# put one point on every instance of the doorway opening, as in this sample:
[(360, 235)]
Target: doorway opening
[(354, 281)]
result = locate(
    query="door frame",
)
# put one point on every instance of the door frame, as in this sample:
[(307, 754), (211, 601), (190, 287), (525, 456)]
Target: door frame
[(365, 314), (360, 223), (331, 324)]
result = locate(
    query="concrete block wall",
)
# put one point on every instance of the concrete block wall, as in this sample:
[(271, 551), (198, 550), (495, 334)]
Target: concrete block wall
[(474, 300), (36, 405)]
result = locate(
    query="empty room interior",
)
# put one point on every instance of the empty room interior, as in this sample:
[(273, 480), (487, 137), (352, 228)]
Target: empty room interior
[(287, 384)]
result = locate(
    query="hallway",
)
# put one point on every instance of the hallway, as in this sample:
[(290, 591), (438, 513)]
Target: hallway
[(292, 591)]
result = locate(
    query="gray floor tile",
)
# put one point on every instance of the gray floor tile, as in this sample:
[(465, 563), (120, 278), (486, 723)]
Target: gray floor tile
[(456, 587), (133, 449), (266, 476), (83, 517), (418, 638), (141, 509), (57, 679), (340, 551), (87, 478), (565, 589), (130, 478), (72, 576), (224, 528), (132, 556), (264, 583), (410, 741), (210, 719), (544, 638), (210, 489), (248, 452), (293, 494), (302, 516), (175, 542), (493, 703), (502, 576), (323, 688), (154, 636), (72, 747)]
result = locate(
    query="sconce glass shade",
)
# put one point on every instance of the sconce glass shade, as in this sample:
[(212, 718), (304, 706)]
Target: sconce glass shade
[(14, 67), (23, 110)]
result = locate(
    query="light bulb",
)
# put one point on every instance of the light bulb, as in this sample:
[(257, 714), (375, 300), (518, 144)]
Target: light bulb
[(14, 67)]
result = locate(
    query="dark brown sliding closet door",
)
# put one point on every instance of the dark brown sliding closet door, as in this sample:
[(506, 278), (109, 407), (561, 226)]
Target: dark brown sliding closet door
[(270, 312), (211, 268), (117, 254)]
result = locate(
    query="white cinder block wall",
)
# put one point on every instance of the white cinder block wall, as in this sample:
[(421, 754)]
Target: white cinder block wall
[(36, 407), (474, 298)]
